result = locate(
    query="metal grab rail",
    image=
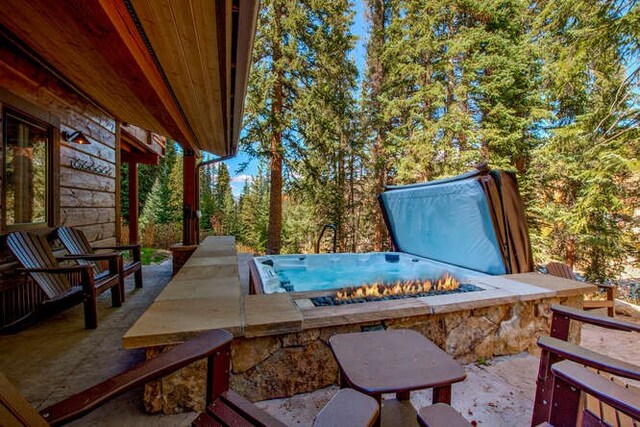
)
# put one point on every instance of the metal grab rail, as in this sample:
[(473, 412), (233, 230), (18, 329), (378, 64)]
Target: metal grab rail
[(335, 237)]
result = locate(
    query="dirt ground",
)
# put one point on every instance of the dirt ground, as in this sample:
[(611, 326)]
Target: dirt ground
[(499, 393)]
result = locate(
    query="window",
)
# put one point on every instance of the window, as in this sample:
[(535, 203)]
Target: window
[(25, 171)]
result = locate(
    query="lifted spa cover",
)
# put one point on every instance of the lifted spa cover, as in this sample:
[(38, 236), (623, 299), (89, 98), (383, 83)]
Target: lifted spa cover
[(475, 220)]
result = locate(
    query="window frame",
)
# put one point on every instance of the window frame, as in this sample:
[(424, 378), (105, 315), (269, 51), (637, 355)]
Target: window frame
[(5, 112)]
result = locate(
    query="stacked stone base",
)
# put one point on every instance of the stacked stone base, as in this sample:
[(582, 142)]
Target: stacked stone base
[(287, 364)]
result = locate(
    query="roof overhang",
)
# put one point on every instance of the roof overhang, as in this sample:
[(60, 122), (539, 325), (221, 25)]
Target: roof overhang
[(177, 68)]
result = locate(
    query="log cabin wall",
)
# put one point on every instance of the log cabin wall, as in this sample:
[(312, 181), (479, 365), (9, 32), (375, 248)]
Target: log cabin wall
[(84, 178), (85, 199)]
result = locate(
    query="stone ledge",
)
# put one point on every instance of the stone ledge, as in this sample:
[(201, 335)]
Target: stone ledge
[(562, 287), (270, 314)]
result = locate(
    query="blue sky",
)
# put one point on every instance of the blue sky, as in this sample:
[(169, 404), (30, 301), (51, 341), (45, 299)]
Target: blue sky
[(359, 28)]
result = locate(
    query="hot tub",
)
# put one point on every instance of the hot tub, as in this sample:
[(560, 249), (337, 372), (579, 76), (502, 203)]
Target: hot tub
[(319, 272), (466, 226)]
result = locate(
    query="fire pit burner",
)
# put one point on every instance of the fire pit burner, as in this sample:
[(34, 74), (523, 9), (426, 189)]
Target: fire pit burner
[(334, 300)]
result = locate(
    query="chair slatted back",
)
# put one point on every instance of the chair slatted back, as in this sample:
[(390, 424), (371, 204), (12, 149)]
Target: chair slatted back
[(608, 414), (559, 269), (33, 251), (14, 408), (76, 243)]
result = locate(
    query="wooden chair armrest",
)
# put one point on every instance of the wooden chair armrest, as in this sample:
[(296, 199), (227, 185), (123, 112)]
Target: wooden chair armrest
[(601, 388), (589, 358), (55, 270), (594, 319), (74, 407), (135, 250), (90, 257), (117, 248), (605, 285)]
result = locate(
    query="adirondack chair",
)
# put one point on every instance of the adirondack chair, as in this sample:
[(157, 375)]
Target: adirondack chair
[(76, 243), (559, 269), (37, 259), (555, 348), (570, 381), (224, 407), (563, 379)]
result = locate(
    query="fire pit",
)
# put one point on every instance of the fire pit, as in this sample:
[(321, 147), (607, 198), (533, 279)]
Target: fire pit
[(446, 284)]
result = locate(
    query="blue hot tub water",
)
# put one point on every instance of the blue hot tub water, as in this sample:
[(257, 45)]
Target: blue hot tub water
[(317, 272)]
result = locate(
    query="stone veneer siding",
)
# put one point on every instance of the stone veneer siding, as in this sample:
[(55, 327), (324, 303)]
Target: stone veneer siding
[(287, 364)]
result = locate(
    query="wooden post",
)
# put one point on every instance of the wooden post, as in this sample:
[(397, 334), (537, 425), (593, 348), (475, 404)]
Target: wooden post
[(133, 203), (189, 197)]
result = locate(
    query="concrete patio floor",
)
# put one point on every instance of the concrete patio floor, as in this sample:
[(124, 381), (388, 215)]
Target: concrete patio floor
[(58, 357)]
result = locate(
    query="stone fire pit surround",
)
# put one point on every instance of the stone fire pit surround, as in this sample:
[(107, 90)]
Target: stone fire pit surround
[(270, 362), (287, 364), (280, 346)]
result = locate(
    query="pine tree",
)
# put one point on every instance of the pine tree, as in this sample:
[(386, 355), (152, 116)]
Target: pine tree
[(172, 200), (224, 209), (582, 208), (375, 126), (326, 119), (253, 213), (267, 111), (207, 205), (161, 205)]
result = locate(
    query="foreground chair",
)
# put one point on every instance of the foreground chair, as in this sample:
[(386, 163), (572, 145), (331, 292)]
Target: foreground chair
[(223, 406), (570, 381), (563, 380), (37, 259), (555, 348), (559, 269), (76, 243)]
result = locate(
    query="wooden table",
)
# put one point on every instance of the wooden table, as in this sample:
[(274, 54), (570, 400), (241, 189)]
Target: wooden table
[(395, 361)]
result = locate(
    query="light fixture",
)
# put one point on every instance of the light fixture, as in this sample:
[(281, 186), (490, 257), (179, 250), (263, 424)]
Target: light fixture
[(76, 137)]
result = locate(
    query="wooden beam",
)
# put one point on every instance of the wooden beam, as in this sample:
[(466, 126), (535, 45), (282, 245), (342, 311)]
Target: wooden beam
[(144, 158), (133, 203)]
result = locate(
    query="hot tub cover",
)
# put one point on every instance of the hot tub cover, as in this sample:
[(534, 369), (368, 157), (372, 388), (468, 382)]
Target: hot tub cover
[(475, 221)]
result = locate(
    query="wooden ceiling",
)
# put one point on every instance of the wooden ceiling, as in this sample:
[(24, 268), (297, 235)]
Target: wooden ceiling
[(174, 67)]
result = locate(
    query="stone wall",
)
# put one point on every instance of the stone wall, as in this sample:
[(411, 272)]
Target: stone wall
[(288, 364)]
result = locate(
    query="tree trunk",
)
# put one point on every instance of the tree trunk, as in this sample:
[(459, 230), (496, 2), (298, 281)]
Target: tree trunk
[(381, 180), (275, 163), (379, 155)]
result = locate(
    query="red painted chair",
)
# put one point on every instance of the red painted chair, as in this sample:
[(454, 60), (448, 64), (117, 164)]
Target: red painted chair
[(563, 380), (555, 348)]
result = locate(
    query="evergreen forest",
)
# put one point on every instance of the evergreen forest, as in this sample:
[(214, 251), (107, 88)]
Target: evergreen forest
[(549, 89)]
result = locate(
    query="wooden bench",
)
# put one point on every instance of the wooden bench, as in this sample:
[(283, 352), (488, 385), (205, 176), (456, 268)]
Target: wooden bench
[(348, 407), (441, 415), (223, 406)]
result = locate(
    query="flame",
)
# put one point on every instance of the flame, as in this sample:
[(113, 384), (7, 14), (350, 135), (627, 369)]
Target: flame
[(410, 287)]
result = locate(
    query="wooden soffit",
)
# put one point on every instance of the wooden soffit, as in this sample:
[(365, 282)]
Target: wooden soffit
[(168, 66)]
